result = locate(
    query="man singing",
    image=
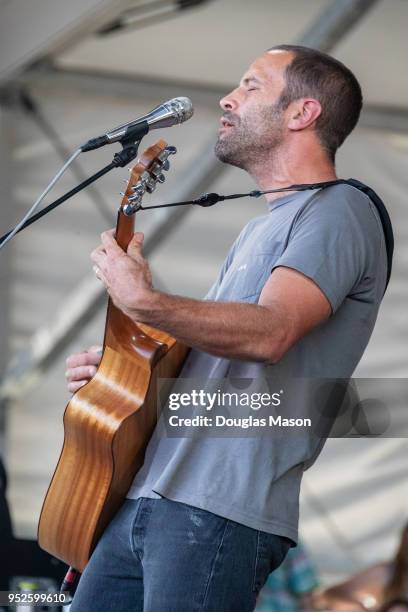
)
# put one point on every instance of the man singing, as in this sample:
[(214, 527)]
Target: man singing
[(208, 518)]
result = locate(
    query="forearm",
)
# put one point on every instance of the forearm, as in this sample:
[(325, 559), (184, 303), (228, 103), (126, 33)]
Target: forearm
[(291, 305), (226, 329)]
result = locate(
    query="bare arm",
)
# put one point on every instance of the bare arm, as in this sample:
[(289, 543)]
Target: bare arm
[(290, 306)]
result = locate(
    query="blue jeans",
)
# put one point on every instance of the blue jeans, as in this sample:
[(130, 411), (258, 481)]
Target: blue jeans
[(158, 555)]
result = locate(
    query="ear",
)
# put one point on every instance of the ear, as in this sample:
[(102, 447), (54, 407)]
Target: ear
[(303, 113)]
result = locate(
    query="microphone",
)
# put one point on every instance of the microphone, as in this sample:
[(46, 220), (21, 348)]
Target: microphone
[(172, 112)]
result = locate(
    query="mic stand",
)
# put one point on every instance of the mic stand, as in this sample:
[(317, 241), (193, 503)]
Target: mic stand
[(120, 159)]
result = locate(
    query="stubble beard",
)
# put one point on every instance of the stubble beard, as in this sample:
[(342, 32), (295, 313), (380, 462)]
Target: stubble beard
[(248, 143)]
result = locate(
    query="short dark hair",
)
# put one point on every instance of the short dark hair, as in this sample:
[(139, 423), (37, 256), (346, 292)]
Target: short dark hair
[(316, 74)]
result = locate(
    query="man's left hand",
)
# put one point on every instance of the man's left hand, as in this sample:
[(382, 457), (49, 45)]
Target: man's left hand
[(126, 276)]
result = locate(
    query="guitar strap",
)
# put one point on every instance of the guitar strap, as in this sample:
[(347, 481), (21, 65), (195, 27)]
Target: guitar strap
[(209, 199), (381, 209)]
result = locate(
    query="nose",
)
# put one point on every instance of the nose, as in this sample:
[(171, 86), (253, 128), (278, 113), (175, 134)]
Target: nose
[(229, 102)]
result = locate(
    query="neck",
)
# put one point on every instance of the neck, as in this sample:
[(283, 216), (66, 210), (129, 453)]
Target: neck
[(283, 168)]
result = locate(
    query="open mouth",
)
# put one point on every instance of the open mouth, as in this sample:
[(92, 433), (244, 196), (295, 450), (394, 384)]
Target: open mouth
[(225, 123)]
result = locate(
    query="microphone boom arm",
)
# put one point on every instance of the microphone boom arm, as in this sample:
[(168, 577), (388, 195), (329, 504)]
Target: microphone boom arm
[(120, 159)]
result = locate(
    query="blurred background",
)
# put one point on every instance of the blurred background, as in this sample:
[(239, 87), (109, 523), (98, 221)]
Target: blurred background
[(69, 71)]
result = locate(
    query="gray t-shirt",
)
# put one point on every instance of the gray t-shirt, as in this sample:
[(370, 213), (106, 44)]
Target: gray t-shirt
[(333, 236)]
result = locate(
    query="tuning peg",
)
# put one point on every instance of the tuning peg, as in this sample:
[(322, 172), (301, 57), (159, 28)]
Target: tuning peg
[(157, 173), (134, 198), (151, 187), (144, 178), (140, 187), (155, 170), (122, 194), (150, 184), (171, 150), (130, 209), (166, 165)]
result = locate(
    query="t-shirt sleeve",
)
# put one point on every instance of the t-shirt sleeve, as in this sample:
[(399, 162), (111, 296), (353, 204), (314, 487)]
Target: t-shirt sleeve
[(332, 242)]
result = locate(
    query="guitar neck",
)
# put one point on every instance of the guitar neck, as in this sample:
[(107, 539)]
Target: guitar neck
[(118, 328), (125, 227)]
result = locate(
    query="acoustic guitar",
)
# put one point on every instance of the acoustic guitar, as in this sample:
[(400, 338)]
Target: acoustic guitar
[(108, 422)]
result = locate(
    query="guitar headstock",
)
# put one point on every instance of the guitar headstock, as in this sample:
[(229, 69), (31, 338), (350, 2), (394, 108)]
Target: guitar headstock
[(145, 174)]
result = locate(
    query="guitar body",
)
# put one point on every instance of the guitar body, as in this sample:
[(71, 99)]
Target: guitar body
[(107, 426)]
